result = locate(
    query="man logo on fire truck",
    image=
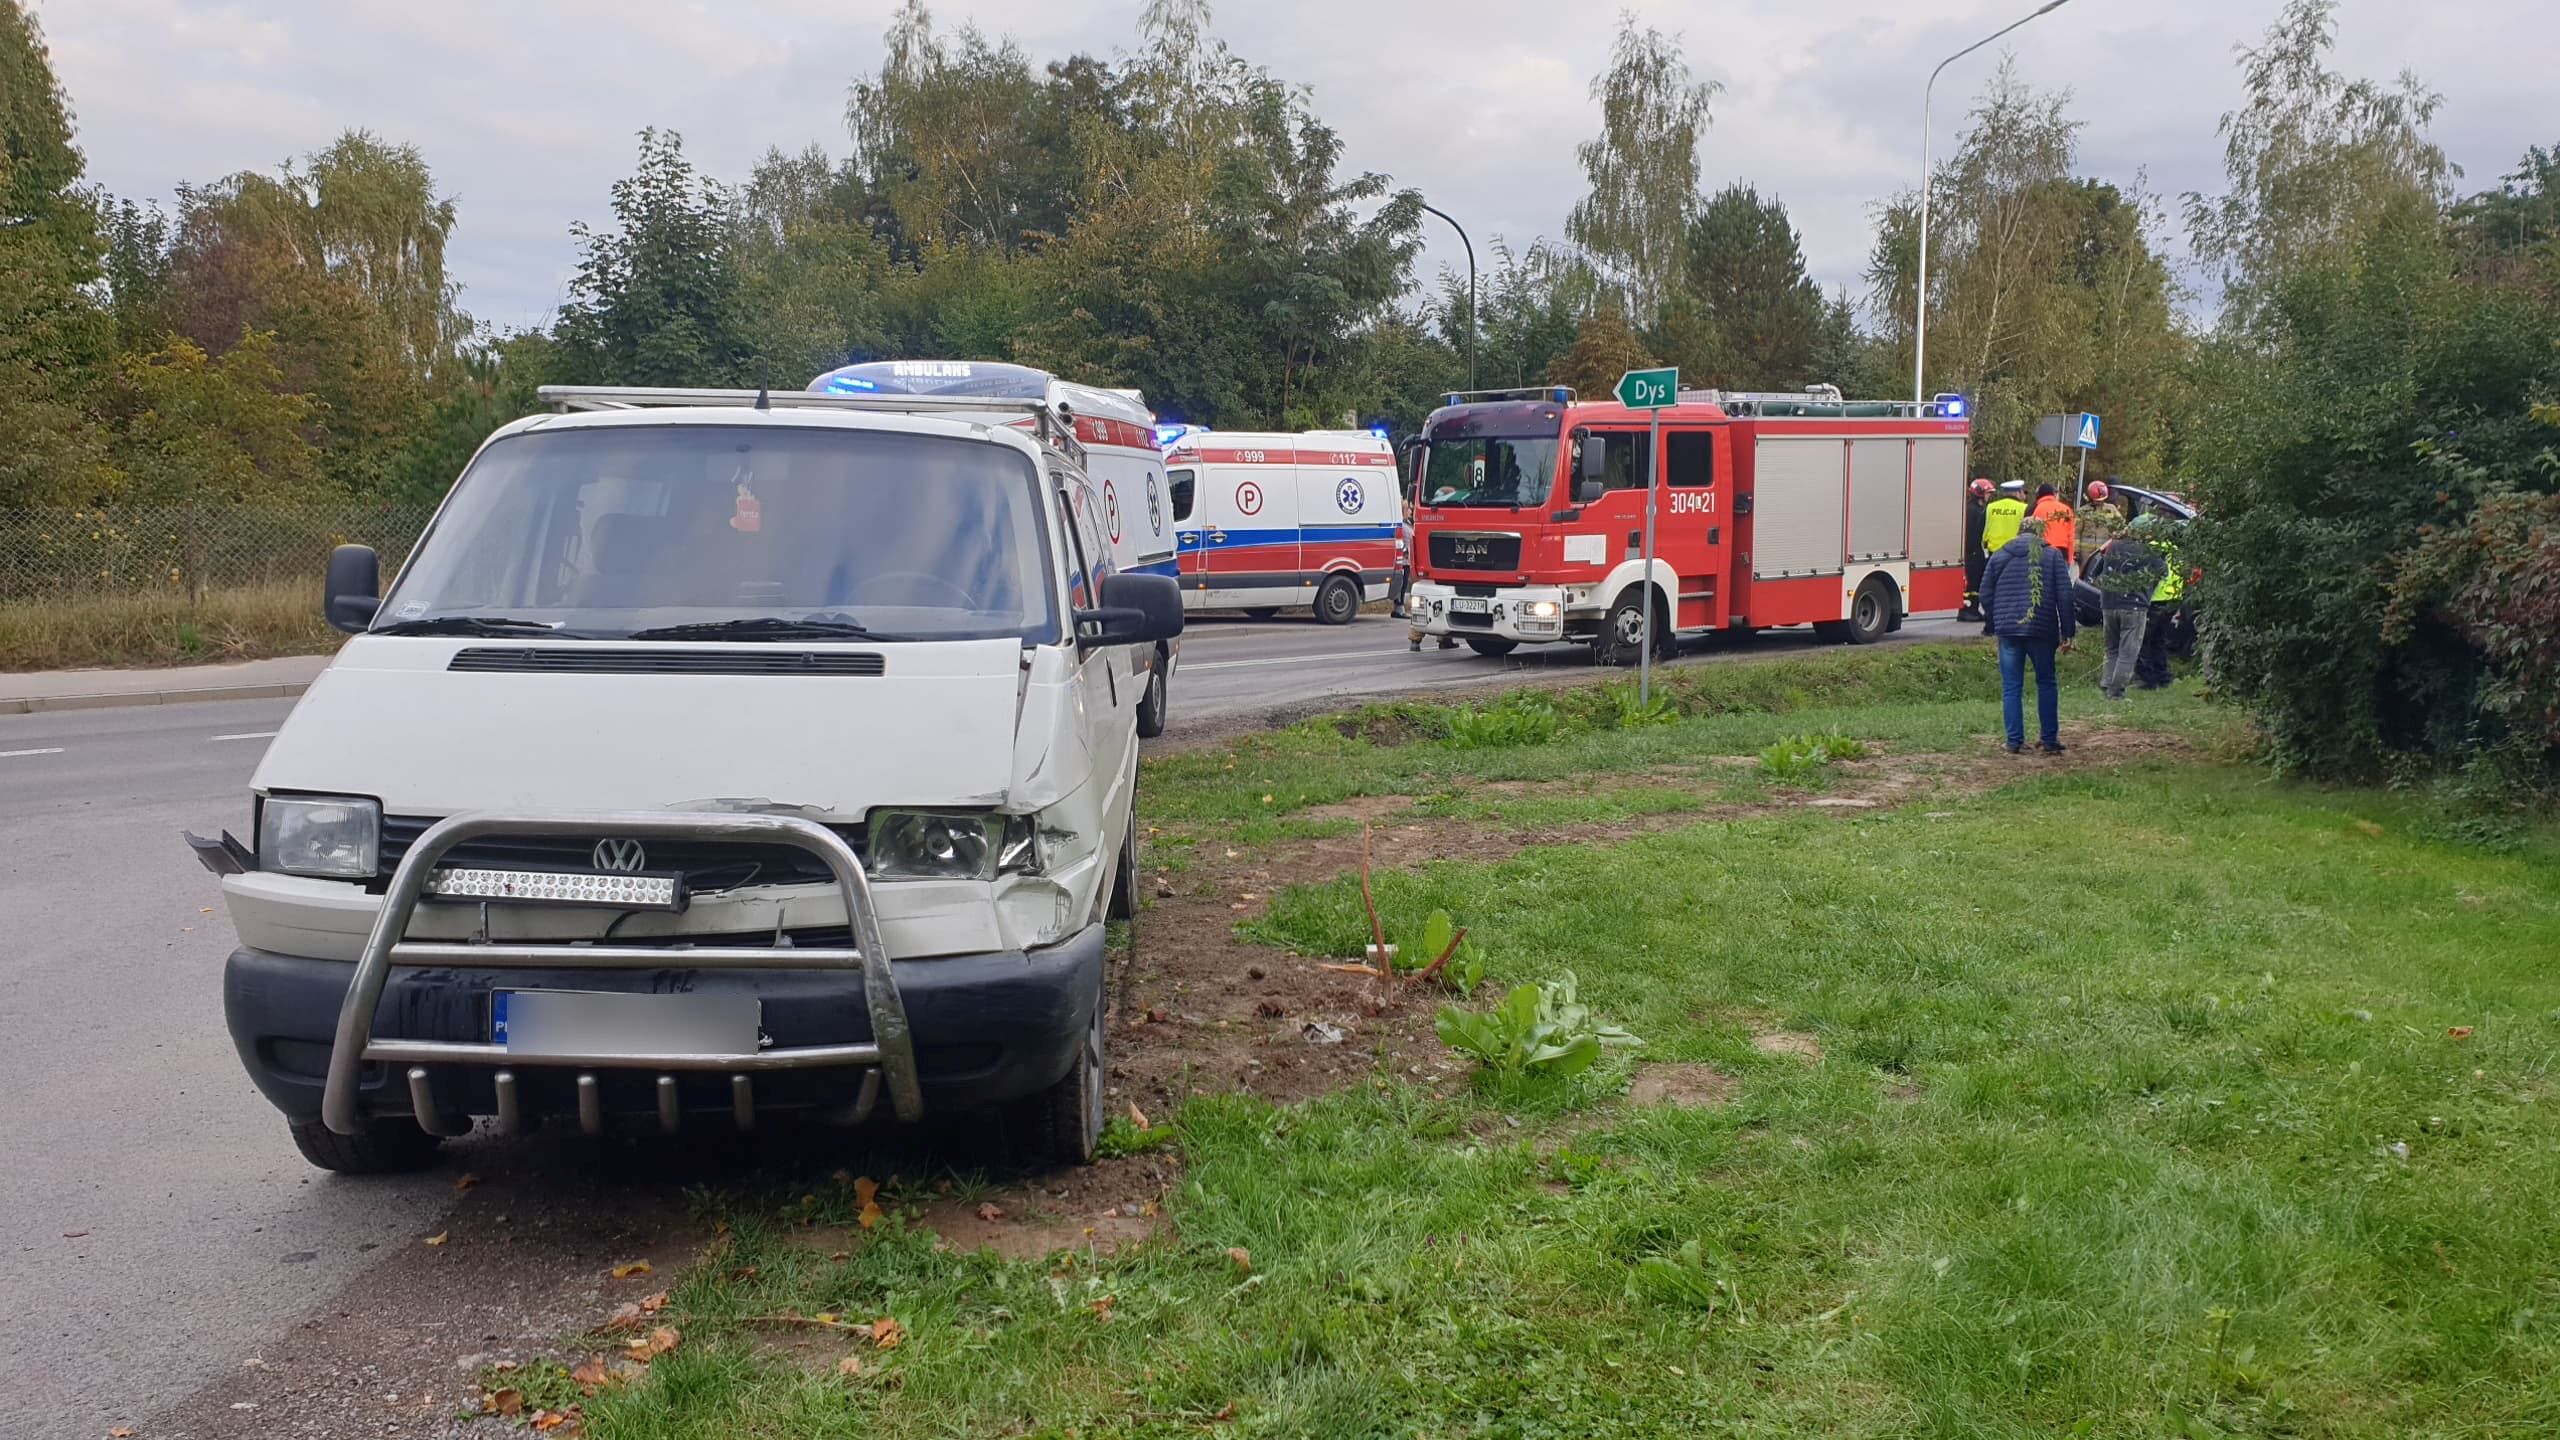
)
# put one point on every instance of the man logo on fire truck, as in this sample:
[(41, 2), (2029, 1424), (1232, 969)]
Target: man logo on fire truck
[(1773, 510)]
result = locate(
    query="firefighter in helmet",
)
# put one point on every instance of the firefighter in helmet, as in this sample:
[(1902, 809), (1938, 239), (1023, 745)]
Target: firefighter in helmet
[(1977, 502)]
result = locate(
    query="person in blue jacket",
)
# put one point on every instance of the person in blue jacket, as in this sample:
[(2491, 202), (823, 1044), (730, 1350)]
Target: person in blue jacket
[(2026, 602)]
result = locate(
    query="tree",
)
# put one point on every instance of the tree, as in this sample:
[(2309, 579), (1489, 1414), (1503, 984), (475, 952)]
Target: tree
[(2314, 161), (54, 340), (657, 299), (1744, 315), (484, 387), (1604, 350), (1643, 168), (1529, 315)]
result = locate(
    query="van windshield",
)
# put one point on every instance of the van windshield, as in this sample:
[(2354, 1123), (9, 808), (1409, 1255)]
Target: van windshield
[(1512, 470), (736, 532)]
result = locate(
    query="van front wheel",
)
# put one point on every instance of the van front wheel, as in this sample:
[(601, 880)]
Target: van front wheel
[(1062, 1125), (1338, 600), (1154, 703)]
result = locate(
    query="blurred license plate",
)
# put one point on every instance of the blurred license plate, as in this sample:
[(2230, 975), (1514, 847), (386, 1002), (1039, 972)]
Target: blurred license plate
[(580, 1024), (1470, 605)]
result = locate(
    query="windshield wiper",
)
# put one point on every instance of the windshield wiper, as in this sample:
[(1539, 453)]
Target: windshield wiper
[(472, 625), (762, 627)]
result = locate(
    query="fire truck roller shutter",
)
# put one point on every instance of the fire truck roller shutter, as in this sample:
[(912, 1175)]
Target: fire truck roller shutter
[(1796, 505), (1879, 498), (1937, 503)]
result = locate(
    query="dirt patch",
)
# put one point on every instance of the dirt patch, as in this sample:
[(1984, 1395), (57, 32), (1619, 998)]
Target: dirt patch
[(1902, 1091), (1198, 1011), (1103, 1209), (1688, 1085), (1788, 1042)]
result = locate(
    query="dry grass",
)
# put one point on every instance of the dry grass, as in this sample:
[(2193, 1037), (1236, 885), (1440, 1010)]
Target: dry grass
[(248, 623)]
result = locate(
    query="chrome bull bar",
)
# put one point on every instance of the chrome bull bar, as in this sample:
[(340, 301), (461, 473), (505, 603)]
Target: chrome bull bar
[(890, 1052)]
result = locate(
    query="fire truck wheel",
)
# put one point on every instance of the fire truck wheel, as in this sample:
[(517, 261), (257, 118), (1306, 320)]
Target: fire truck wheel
[(1492, 647), (1338, 601), (1871, 613), (1620, 640)]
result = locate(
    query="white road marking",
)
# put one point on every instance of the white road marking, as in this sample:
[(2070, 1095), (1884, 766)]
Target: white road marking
[(1334, 658), (14, 754), (248, 735)]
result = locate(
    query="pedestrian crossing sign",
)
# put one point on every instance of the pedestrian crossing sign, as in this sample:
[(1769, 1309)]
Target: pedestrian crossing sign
[(2087, 437)]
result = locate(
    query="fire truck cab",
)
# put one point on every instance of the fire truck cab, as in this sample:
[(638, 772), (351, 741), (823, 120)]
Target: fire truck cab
[(1771, 510)]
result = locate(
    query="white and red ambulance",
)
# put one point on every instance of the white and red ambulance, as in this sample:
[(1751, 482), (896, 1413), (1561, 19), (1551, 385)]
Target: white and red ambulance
[(1267, 521)]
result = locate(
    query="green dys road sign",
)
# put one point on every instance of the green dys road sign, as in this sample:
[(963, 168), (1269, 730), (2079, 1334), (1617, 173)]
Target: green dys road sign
[(1649, 389)]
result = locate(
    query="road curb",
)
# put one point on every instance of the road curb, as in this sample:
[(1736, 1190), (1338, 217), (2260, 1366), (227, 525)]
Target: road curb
[(109, 700)]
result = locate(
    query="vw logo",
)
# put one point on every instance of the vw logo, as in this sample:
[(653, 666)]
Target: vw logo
[(622, 857)]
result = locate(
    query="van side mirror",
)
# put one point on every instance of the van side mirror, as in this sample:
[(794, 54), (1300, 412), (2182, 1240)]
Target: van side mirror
[(354, 590), (1135, 610)]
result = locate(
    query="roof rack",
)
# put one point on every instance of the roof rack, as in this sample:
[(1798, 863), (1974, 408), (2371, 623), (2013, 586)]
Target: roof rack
[(1055, 424), (1553, 394), (1813, 400)]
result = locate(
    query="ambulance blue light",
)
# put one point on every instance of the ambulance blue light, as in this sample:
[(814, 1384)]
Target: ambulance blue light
[(1378, 430)]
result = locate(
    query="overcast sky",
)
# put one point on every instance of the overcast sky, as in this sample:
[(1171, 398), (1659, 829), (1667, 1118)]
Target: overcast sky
[(526, 109)]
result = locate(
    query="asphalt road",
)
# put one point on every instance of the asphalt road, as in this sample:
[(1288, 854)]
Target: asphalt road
[(156, 1227)]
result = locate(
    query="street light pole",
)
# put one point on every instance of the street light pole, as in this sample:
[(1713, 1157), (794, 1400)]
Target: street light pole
[(1920, 299), (1471, 280)]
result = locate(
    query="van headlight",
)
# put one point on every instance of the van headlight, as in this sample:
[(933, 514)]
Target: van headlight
[(950, 845), (328, 837)]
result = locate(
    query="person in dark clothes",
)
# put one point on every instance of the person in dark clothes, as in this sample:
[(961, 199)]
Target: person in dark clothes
[(2026, 597), (1977, 509), (2126, 571)]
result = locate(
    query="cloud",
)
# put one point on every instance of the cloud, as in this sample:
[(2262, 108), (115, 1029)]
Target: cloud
[(527, 109)]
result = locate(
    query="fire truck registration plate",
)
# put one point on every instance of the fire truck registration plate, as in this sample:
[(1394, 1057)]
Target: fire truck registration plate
[(1469, 605)]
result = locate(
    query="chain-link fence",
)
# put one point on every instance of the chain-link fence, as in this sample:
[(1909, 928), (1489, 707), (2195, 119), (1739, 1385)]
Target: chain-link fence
[(66, 555)]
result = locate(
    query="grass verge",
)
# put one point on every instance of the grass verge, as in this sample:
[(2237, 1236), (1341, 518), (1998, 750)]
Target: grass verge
[(2154, 1101), (240, 624)]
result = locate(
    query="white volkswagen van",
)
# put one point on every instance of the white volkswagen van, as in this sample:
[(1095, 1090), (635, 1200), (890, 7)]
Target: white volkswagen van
[(711, 753)]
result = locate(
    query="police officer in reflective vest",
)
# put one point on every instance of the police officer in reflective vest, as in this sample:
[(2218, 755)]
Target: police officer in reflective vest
[(2002, 517)]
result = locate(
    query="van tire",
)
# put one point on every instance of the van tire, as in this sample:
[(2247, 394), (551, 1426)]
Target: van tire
[(1491, 647), (1153, 704), (1338, 600), (1871, 612), (1123, 904), (1062, 1125), (391, 1146)]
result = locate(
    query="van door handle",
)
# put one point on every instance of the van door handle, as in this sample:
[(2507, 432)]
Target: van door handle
[(1217, 537)]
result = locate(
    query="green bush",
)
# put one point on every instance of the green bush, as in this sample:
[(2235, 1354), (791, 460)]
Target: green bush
[(1519, 718), (1539, 1029), (1798, 757)]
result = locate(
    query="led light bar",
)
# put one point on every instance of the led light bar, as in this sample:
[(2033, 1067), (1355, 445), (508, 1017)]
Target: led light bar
[(559, 887)]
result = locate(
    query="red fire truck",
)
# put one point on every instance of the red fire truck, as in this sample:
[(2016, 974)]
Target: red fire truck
[(1772, 509)]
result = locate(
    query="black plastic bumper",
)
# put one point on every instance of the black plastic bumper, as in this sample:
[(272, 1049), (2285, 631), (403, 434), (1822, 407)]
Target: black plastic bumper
[(987, 1028)]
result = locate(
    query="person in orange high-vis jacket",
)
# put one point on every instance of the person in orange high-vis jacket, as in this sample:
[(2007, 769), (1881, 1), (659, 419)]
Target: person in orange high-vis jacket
[(2061, 524)]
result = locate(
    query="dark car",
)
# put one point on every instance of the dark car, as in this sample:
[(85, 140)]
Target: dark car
[(2136, 502)]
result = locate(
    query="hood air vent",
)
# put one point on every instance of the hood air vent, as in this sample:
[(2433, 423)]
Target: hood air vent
[(685, 660)]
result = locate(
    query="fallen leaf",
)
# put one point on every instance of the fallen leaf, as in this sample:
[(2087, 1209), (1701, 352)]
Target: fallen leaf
[(465, 1181), (1102, 1308), (1266, 799), (626, 1316), (629, 1268), (826, 1317), (887, 1333), (508, 1402), (842, 1177), (850, 1366), (990, 1212), (652, 1304), (549, 1420), (1227, 1414), (589, 1372), (437, 1238), (743, 1272), (871, 1215), (2459, 1032), (1242, 1257), (654, 1344), (841, 1255), (1138, 1117)]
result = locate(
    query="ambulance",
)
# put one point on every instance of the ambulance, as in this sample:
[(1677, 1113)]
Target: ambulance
[(1267, 521), (1118, 433)]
